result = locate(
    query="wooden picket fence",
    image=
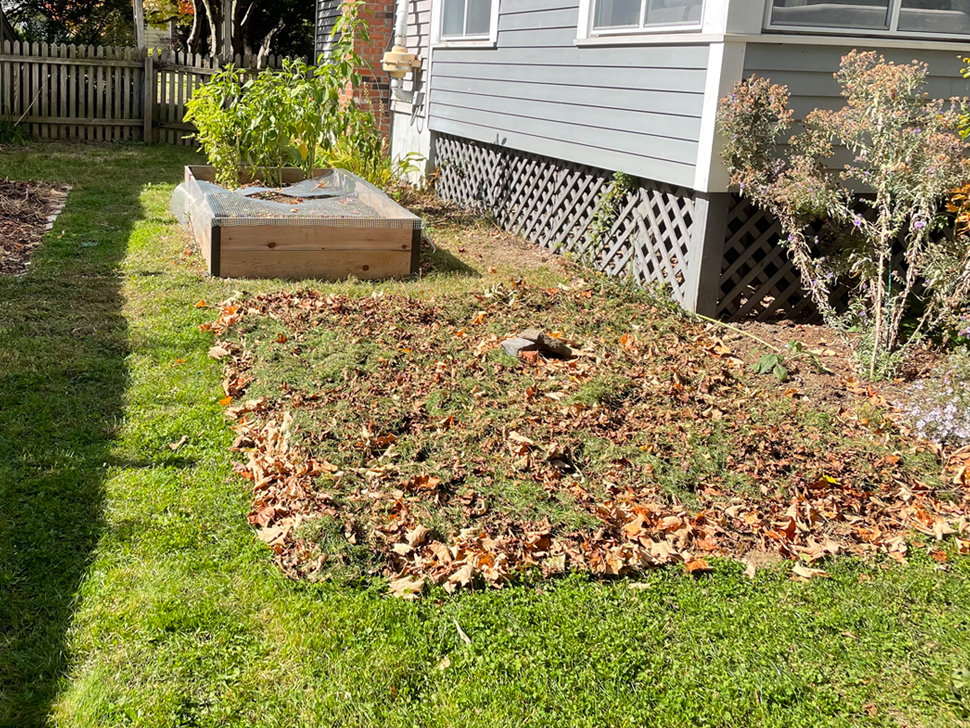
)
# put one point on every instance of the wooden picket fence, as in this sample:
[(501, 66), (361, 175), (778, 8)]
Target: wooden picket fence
[(105, 93)]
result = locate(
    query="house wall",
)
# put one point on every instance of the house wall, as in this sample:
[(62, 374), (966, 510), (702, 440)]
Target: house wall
[(327, 13), (632, 108), (808, 69), (410, 132)]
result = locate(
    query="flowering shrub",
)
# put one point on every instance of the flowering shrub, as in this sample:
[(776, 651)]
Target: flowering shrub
[(939, 408), (906, 155)]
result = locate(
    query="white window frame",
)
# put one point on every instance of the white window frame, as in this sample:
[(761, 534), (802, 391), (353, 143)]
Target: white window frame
[(472, 41), (586, 30), (892, 32)]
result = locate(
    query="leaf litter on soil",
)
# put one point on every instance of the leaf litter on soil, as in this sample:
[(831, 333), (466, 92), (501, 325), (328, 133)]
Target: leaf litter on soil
[(386, 436), (26, 209)]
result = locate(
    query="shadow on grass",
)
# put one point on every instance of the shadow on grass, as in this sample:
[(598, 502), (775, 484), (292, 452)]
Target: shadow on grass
[(441, 262), (63, 375)]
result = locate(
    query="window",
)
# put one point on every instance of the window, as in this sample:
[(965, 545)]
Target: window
[(945, 17), (628, 15), (471, 19)]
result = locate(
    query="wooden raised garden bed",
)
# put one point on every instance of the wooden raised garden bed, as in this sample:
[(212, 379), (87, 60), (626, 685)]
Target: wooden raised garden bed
[(344, 227)]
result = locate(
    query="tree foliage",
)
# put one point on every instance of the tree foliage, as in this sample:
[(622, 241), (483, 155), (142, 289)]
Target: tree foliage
[(283, 27), (86, 22)]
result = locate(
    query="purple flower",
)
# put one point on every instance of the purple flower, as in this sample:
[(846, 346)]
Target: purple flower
[(919, 225)]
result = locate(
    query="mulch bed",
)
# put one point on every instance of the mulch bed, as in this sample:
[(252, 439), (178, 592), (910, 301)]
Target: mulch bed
[(788, 488), (27, 210)]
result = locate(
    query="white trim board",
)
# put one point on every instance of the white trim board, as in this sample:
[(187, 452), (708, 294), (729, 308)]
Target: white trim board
[(725, 67), (685, 38)]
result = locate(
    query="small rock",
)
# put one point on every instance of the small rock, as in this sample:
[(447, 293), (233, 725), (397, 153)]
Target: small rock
[(517, 345), (547, 344)]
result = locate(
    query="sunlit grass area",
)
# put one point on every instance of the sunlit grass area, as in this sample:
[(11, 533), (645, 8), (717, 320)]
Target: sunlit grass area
[(133, 591)]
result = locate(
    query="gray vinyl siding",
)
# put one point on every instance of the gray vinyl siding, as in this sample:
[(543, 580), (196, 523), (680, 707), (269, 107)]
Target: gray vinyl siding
[(327, 13), (633, 108), (808, 71), (419, 42)]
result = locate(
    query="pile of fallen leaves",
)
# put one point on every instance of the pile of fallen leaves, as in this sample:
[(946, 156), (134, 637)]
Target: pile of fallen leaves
[(25, 211), (393, 436)]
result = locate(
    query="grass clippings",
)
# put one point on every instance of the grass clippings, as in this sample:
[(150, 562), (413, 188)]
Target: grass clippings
[(390, 436)]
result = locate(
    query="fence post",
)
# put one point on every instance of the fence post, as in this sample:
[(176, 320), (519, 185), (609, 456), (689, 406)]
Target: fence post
[(149, 133)]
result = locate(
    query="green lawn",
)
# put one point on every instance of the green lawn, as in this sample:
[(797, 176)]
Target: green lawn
[(134, 593)]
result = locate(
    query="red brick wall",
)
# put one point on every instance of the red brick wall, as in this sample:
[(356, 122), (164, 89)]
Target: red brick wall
[(379, 15)]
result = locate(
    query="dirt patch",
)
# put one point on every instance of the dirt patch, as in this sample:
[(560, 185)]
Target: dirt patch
[(27, 210), (837, 382), (477, 242)]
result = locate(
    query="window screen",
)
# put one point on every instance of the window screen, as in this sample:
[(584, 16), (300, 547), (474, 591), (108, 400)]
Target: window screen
[(453, 18), (935, 16), (627, 13), (466, 18), (617, 14), (478, 17), (673, 12), (861, 14)]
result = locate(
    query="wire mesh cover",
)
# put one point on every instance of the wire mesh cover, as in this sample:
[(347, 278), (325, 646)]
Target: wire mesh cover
[(333, 199)]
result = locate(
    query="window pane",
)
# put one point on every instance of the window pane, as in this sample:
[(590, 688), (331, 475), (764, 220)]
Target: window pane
[(479, 17), (864, 14), (935, 16), (453, 18), (673, 12), (617, 13)]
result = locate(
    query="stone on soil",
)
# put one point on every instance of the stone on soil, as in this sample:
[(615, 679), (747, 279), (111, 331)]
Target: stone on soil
[(547, 344), (517, 345)]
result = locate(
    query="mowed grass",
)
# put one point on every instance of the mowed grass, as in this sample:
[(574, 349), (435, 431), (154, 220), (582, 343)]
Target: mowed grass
[(133, 592)]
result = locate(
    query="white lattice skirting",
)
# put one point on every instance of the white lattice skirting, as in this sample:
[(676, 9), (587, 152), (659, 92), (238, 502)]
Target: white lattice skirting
[(657, 237), (554, 203)]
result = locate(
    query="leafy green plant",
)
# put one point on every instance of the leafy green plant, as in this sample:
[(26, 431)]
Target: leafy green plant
[(13, 132), (907, 154), (606, 214), (285, 117), (363, 151), (772, 364), (778, 363)]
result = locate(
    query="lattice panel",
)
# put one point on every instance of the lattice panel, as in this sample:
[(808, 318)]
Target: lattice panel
[(757, 277), (758, 280), (553, 203)]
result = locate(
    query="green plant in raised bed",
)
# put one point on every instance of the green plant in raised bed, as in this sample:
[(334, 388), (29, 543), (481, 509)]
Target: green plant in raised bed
[(282, 117), (363, 151)]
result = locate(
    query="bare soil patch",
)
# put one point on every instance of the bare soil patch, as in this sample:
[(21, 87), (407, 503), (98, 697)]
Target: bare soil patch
[(477, 242), (26, 212)]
